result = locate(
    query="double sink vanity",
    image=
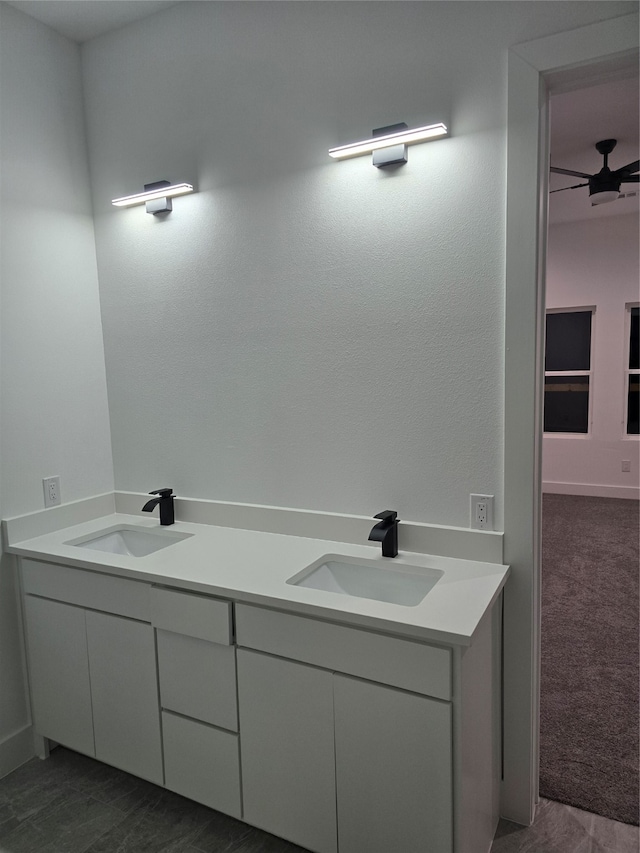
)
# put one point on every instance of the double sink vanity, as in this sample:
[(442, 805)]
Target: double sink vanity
[(342, 700)]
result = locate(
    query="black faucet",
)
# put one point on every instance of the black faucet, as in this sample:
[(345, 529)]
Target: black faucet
[(386, 531), (165, 502)]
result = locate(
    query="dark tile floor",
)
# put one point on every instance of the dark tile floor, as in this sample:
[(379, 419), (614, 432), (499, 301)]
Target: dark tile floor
[(563, 829), (73, 804)]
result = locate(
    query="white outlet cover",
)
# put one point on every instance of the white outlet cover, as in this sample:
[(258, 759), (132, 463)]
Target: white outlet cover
[(51, 488), (479, 519)]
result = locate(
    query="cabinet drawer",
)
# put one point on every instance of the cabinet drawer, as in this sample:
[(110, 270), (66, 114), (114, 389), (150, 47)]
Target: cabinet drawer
[(198, 679), (87, 589), (191, 614), (401, 663), (202, 763)]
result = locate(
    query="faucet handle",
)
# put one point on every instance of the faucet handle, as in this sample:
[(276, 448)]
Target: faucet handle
[(387, 515), (164, 493)]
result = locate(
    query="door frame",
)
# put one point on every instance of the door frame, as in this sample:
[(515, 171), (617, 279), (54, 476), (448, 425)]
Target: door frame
[(570, 60)]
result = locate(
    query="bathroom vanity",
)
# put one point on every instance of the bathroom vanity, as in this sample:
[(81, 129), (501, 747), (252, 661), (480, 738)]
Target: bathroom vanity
[(341, 723)]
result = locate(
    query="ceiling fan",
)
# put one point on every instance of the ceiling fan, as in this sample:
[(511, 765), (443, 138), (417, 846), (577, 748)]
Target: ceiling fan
[(605, 184)]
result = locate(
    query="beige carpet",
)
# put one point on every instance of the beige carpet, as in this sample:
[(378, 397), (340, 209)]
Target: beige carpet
[(590, 674)]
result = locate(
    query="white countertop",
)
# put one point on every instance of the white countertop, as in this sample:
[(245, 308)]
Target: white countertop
[(252, 567)]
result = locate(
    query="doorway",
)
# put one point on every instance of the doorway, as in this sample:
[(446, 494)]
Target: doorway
[(589, 613), (557, 63)]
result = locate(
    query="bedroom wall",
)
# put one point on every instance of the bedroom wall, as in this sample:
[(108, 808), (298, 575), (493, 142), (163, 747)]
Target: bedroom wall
[(595, 263)]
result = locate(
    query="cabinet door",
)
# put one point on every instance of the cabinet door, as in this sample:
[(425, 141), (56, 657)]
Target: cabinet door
[(124, 690), (393, 769), (287, 752), (59, 673)]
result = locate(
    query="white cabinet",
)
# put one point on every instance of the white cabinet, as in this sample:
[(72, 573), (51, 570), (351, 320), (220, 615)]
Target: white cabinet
[(337, 738), (93, 674), (124, 693), (140, 677), (288, 766), (334, 762), (59, 673), (197, 674), (393, 769)]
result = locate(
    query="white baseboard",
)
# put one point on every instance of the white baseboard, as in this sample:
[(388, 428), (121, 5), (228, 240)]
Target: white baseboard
[(593, 491), (15, 750)]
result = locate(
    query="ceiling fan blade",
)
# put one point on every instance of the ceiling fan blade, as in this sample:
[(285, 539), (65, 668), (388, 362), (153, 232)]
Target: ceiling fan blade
[(630, 179), (630, 168), (562, 189), (569, 172)]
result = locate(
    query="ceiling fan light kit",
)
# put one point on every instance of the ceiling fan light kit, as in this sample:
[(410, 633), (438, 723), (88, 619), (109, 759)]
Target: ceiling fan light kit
[(604, 186), (603, 196)]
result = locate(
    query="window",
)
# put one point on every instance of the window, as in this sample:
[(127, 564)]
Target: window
[(567, 371), (633, 373)]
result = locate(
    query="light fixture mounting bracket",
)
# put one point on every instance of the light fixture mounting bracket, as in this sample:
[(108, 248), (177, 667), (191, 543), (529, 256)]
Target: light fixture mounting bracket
[(395, 155), (158, 205)]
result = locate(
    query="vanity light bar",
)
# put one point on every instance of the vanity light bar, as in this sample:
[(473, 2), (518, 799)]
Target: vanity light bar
[(404, 137), (150, 195)]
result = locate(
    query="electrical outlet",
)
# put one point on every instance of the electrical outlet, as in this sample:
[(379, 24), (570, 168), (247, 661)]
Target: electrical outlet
[(51, 486), (626, 466), (481, 512)]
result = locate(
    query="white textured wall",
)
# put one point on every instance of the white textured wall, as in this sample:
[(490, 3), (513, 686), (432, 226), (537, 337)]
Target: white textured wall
[(54, 415), (304, 332), (54, 404), (595, 263)]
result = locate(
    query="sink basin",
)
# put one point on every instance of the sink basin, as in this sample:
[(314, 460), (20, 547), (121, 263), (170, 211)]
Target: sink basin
[(129, 540), (395, 584)]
